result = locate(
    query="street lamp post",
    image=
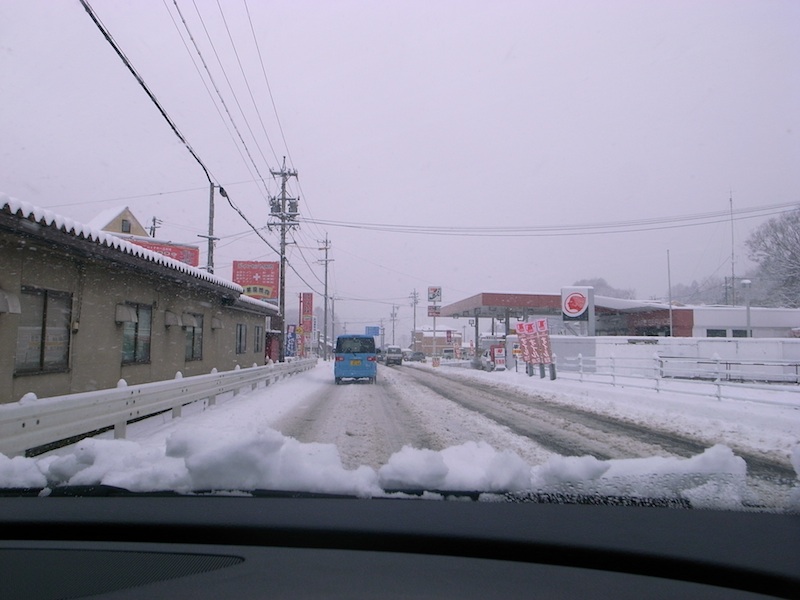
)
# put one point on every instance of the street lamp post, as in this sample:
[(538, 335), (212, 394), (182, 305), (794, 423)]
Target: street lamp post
[(746, 285)]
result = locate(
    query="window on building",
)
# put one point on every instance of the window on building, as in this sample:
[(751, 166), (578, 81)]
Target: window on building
[(194, 339), (739, 333), (126, 226), (136, 336), (44, 331), (258, 342), (716, 333), (241, 338)]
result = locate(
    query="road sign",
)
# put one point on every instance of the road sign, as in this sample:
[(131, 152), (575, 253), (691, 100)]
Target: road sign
[(372, 330)]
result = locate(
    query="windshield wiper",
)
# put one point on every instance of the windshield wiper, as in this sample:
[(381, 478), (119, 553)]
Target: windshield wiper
[(538, 497)]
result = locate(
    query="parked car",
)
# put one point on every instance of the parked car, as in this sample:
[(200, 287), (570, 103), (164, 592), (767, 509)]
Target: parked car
[(417, 357), (394, 355)]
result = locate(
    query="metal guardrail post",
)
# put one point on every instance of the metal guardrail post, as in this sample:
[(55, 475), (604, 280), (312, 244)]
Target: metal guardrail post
[(659, 370), (613, 372)]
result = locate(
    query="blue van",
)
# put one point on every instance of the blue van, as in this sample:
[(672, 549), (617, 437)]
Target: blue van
[(354, 358)]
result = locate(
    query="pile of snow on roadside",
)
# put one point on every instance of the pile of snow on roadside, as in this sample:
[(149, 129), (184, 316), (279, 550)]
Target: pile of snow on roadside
[(205, 460)]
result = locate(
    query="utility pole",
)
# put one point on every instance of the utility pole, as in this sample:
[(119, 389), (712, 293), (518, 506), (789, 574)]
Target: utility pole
[(156, 224), (326, 245), (333, 320), (394, 319), (284, 212), (210, 237), (733, 259), (414, 301)]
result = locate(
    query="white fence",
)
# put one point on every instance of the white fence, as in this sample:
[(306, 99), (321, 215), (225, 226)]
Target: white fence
[(736, 379), (30, 424)]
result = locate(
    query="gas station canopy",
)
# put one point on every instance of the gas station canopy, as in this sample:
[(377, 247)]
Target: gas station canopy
[(502, 305)]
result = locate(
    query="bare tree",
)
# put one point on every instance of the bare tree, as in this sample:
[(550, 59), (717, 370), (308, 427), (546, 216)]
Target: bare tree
[(710, 291), (775, 246)]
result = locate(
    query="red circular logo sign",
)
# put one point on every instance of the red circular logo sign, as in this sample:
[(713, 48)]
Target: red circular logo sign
[(574, 304)]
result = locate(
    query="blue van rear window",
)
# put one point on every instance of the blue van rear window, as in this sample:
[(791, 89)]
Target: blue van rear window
[(355, 345)]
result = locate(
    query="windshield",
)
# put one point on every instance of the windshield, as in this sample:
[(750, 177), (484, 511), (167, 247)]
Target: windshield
[(355, 345), (570, 228)]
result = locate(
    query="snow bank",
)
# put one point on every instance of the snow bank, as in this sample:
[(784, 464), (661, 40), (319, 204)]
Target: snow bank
[(206, 460)]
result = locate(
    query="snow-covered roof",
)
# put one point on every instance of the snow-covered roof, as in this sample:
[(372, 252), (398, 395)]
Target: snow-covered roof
[(43, 216), (626, 304), (105, 217), (260, 303)]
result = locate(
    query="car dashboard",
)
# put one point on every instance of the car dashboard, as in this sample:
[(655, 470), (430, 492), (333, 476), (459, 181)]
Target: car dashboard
[(299, 547)]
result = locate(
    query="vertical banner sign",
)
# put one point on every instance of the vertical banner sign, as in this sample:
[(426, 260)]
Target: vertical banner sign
[(291, 341), (259, 279), (301, 342), (449, 336), (531, 341), (307, 317), (544, 341), (523, 344)]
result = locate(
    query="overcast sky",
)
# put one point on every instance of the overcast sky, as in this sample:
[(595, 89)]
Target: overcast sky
[(461, 116)]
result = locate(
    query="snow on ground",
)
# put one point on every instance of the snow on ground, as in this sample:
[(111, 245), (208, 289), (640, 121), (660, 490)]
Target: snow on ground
[(765, 423), (232, 446)]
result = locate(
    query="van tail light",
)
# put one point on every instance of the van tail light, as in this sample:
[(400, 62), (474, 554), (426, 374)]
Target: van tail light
[(371, 359), (339, 358)]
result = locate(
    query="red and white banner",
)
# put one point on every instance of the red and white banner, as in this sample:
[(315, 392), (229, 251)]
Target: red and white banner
[(543, 337), (259, 279), (534, 341)]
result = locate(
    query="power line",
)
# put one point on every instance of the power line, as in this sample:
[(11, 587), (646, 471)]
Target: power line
[(567, 230), (249, 90), (139, 79), (208, 90), (214, 84), (275, 111)]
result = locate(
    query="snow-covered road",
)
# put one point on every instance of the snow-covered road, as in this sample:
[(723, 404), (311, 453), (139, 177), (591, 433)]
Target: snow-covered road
[(434, 409), (448, 429)]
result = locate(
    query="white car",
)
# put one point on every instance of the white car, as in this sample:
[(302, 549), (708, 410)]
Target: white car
[(393, 355)]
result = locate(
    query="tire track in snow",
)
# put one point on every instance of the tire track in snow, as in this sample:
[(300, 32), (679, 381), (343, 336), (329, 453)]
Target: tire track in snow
[(367, 423), (573, 431)]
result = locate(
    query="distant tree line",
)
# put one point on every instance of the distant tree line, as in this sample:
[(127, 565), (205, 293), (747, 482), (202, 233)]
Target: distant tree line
[(775, 281), (602, 288)]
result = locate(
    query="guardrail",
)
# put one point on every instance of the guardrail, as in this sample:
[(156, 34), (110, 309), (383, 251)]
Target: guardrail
[(699, 376), (31, 424)]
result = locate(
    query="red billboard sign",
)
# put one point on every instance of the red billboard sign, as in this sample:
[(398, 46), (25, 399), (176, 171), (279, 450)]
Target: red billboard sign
[(259, 279), (184, 253)]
